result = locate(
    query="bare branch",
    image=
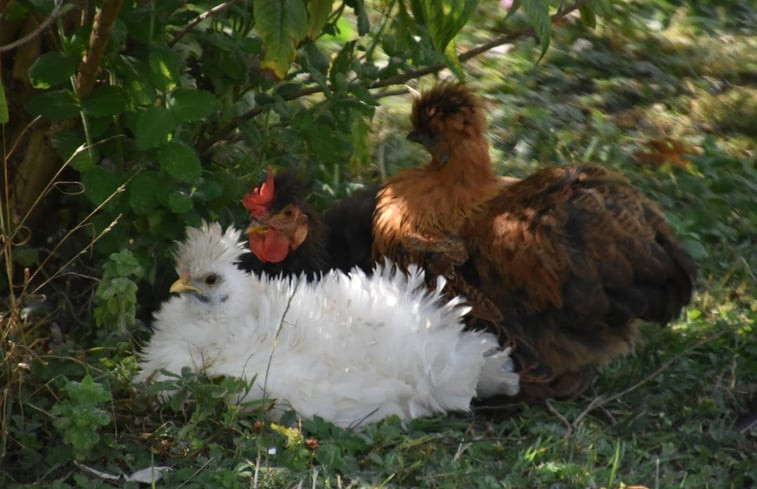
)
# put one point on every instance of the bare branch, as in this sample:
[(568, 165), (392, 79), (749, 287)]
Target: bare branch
[(35, 32), (200, 18), (98, 41)]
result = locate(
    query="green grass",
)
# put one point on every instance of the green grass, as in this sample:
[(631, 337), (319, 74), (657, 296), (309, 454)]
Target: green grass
[(670, 415)]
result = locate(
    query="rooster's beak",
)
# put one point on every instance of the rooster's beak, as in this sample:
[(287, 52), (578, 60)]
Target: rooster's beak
[(255, 228), (182, 285)]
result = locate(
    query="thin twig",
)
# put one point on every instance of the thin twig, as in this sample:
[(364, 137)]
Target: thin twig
[(200, 18), (558, 414), (461, 448), (192, 477), (83, 250), (35, 32), (20, 137), (45, 191), (98, 41), (276, 339), (601, 400)]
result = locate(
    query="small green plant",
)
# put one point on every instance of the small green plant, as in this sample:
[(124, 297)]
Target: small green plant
[(80, 417), (116, 295)]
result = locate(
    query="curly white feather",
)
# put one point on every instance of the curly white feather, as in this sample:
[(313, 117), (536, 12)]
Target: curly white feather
[(349, 348), (205, 246)]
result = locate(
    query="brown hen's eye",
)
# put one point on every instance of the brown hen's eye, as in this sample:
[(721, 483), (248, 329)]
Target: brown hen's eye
[(211, 279)]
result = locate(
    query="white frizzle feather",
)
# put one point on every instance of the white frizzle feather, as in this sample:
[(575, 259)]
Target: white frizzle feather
[(349, 348)]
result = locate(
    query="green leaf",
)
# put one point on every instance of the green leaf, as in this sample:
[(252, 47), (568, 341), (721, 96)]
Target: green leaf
[(318, 13), (153, 127), (165, 69), (99, 184), (26, 257), (445, 18), (85, 159), (363, 94), (587, 16), (282, 24), (106, 101), (342, 63), (55, 105), (450, 55), (143, 191), (230, 188), (512, 10), (363, 25), (208, 190), (87, 391), (180, 161), (67, 142), (135, 80), (51, 69), (538, 14), (696, 248), (4, 117), (316, 64), (188, 104), (122, 264), (316, 58), (179, 202)]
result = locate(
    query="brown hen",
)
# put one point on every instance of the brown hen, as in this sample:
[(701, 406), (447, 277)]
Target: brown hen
[(561, 264)]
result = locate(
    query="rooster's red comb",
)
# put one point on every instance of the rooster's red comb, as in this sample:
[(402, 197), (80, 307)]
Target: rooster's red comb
[(260, 198)]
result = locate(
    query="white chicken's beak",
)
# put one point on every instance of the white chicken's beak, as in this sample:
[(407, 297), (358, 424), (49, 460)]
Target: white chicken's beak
[(182, 285)]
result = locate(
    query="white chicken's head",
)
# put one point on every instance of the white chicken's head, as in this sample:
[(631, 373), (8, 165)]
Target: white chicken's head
[(205, 265)]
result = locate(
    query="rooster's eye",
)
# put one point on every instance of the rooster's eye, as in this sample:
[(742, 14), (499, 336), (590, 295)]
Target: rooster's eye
[(211, 279)]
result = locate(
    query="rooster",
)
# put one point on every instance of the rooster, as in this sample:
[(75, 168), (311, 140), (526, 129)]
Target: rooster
[(351, 349), (349, 230), (288, 236), (561, 263)]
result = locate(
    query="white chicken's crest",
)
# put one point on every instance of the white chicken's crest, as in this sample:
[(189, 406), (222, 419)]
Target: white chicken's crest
[(350, 348), (207, 245)]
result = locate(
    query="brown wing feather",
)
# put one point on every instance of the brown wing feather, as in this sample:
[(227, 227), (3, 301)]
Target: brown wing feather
[(572, 256)]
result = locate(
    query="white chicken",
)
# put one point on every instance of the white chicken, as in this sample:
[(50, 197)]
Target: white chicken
[(349, 348)]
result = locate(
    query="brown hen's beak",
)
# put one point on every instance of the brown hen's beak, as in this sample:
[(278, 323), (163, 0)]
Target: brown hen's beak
[(182, 285)]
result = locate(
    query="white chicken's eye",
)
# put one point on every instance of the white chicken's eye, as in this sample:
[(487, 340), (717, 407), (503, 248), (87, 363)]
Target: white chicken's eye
[(211, 279)]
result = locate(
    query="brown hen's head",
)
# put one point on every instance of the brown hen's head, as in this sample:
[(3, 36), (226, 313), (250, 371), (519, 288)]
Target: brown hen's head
[(279, 221), (444, 117)]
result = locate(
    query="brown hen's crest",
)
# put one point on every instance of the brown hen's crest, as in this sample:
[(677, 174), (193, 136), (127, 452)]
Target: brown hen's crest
[(442, 101)]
